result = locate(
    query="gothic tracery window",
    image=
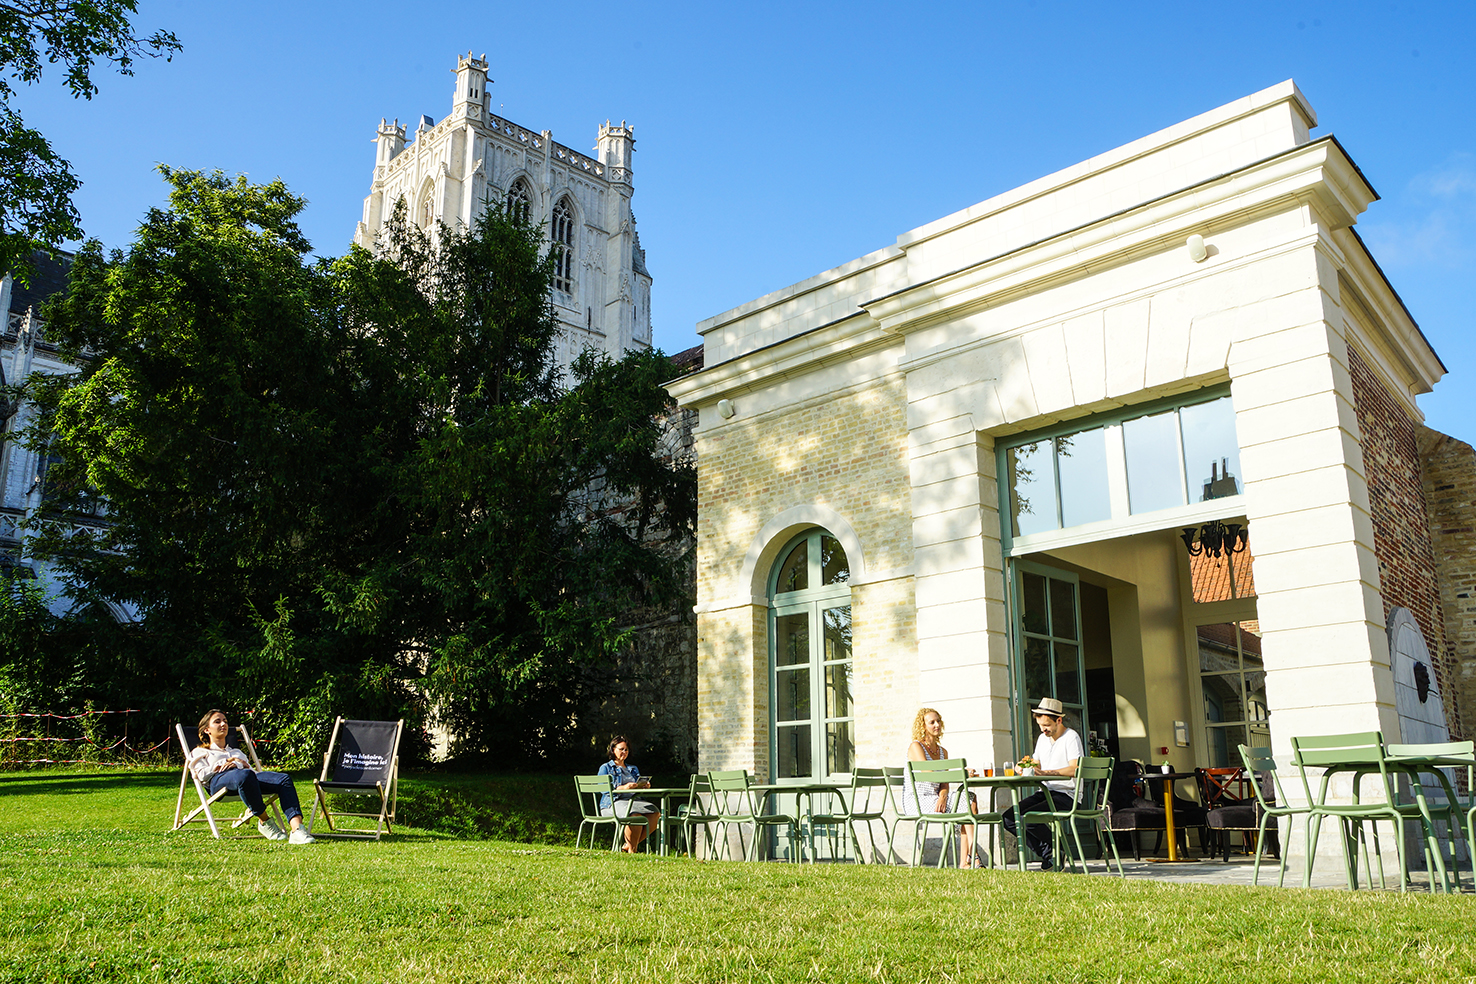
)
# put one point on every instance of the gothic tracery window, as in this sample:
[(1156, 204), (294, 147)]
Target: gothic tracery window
[(563, 247), (519, 201)]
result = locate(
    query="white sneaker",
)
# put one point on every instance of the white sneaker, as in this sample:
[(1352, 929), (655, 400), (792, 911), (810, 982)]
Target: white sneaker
[(269, 829), (301, 836)]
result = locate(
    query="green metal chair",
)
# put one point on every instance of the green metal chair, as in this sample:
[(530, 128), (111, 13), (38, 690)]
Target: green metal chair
[(1089, 803), (591, 789), (866, 801), (699, 810), (1362, 754), (735, 801), (896, 777), (1456, 813), (954, 772), (1262, 769)]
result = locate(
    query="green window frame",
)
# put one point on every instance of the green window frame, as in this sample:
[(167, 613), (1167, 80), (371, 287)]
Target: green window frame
[(812, 722)]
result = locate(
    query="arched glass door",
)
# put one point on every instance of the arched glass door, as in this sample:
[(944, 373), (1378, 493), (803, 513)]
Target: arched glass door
[(811, 713)]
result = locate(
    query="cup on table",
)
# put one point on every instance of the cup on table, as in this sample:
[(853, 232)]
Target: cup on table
[(1009, 770), (988, 772)]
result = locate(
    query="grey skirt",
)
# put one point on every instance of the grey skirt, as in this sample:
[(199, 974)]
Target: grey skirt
[(624, 808)]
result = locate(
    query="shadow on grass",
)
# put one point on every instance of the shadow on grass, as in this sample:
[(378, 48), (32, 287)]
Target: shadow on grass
[(101, 782)]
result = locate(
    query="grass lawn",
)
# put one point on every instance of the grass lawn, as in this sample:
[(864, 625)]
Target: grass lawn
[(93, 889)]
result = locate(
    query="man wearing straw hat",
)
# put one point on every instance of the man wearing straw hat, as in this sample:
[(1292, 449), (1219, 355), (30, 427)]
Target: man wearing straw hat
[(1058, 749)]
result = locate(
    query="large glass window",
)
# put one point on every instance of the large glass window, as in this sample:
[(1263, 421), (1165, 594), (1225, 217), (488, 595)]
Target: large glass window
[(1170, 457), (1059, 481), (812, 715), (1233, 680)]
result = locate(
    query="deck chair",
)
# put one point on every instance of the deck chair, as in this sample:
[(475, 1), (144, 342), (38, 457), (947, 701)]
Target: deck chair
[(363, 759), (239, 738)]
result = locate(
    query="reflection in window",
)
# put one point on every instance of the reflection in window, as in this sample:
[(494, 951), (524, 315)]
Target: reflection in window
[(1155, 476), (1033, 485), (1211, 449), (1233, 680), (1170, 457), (1082, 462)]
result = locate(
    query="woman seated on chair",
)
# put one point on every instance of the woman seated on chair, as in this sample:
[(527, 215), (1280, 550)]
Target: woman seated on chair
[(627, 777), (218, 766), (932, 797)]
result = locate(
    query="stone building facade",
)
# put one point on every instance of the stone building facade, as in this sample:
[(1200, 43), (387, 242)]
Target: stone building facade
[(977, 467), (453, 170)]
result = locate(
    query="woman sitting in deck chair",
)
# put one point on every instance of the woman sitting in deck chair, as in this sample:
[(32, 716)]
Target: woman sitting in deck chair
[(219, 766)]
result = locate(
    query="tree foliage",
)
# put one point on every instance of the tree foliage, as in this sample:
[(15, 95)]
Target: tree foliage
[(356, 486), (36, 185)]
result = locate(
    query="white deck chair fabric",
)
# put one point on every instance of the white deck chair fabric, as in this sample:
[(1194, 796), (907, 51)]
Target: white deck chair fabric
[(363, 758), (203, 813)]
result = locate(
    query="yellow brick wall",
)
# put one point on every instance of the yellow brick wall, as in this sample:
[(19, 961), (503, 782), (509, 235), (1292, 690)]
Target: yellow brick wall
[(847, 453)]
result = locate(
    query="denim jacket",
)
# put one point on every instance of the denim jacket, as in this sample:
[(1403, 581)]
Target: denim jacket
[(619, 776)]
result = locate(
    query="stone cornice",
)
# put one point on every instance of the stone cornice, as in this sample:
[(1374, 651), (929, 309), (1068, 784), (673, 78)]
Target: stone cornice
[(1319, 174), (796, 355)]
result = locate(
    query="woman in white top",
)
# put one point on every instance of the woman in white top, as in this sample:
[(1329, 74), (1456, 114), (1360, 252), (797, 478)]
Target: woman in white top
[(219, 766), (932, 797)]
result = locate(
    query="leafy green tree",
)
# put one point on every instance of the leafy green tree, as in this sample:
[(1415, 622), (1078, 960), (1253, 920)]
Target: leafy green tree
[(356, 486), (36, 185)]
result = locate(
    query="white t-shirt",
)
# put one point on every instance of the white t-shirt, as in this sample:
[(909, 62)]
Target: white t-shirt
[(1057, 753)]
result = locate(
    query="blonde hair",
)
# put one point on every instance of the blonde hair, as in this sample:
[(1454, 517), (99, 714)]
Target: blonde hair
[(919, 732)]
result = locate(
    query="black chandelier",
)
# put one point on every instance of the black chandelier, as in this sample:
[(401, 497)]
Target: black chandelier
[(1216, 539)]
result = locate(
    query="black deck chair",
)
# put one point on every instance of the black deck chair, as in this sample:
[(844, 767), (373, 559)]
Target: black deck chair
[(363, 758)]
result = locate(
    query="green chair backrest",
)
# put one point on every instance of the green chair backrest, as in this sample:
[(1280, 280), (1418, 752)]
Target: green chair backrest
[(870, 791), (1364, 748), (930, 772), (1093, 779), (1260, 765), (1357, 748), (590, 789), (1447, 749), (1444, 748), (731, 795)]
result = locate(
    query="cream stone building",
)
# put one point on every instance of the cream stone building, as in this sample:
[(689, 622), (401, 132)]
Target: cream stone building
[(452, 171), (958, 471)]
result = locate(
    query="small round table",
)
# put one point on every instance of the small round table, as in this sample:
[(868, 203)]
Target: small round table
[(1169, 778)]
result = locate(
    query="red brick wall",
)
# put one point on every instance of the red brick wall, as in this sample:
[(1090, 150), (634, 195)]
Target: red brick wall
[(1407, 568), (1449, 470)]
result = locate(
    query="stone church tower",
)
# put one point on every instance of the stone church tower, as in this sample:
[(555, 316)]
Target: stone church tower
[(453, 169)]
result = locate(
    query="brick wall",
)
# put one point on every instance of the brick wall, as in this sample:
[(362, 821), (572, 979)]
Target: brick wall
[(847, 453), (1396, 494), (1448, 467)]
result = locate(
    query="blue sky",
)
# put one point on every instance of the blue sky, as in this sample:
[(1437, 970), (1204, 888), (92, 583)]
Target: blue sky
[(774, 141)]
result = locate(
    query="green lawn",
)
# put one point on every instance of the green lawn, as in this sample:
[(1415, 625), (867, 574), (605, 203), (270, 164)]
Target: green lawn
[(92, 889)]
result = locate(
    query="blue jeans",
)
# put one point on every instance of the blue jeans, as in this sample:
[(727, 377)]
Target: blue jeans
[(250, 786)]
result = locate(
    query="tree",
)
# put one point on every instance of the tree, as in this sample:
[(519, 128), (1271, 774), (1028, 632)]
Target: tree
[(356, 486), (36, 185)]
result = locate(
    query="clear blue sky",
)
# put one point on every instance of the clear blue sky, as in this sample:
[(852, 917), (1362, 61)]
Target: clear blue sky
[(777, 140)]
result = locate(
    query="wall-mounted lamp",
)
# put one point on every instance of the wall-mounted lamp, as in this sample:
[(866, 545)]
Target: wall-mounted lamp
[(726, 409), (1216, 539), (1197, 249)]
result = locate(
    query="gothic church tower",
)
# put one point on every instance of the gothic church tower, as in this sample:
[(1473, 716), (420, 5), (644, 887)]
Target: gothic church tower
[(602, 290)]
